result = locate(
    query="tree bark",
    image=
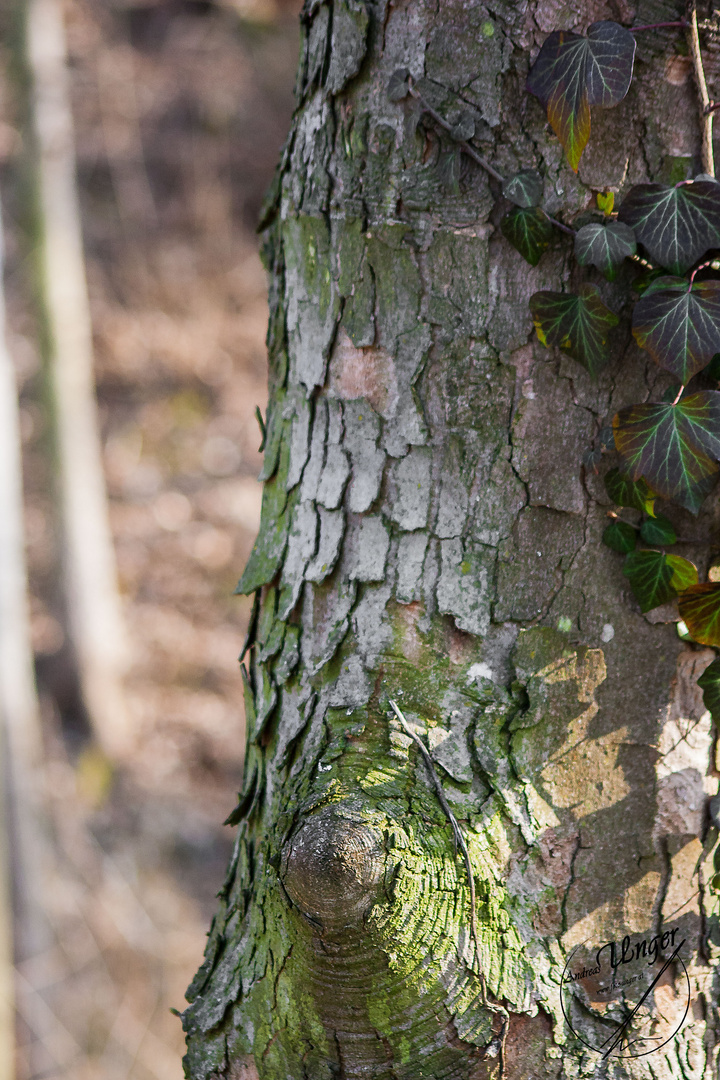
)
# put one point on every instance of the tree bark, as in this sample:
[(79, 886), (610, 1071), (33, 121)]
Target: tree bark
[(431, 535)]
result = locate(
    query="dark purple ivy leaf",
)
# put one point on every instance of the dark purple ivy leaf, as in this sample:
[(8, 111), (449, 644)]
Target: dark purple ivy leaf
[(528, 230), (572, 73), (675, 448), (679, 325), (525, 188), (605, 246), (578, 323), (675, 225)]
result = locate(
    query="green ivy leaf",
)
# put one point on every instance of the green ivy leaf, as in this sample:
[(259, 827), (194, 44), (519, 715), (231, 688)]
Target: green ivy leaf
[(624, 491), (645, 280), (448, 170), (650, 578), (709, 682), (528, 230), (658, 531), (700, 611), (572, 73), (675, 225), (464, 129), (604, 246), (684, 573), (679, 325), (606, 201), (577, 323), (399, 84), (620, 537), (525, 188), (675, 448)]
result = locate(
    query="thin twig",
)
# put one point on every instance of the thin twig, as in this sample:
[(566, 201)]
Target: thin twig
[(469, 150), (457, 834), (472, 153), (702, 266), (459, 843), (559, 225), (679, 24), (706, 114)]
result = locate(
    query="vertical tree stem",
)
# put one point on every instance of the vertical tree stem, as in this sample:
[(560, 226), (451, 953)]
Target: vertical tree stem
[(22, 933), (706, 115), (93, 602), (7, 963)]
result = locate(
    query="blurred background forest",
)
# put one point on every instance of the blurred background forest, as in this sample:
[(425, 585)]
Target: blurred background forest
[(180, 108)]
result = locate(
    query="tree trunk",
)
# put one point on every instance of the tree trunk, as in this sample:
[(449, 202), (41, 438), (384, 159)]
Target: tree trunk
[(431, 535), (90, 574), (23, 931)]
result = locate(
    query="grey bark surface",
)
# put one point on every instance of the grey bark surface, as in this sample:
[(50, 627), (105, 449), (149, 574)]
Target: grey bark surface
[(431, 535)]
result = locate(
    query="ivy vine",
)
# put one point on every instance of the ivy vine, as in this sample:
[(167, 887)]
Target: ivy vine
[(668, 449)]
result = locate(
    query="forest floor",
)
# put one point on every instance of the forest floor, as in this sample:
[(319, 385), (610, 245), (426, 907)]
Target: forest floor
[(180, 107)]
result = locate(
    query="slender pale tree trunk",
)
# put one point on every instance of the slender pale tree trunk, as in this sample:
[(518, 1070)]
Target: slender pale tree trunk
[(22, 927), (7, 964), (431, 535), (93, 603)]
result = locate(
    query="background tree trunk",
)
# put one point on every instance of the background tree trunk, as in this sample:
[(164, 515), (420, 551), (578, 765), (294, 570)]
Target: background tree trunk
[(23, 845), (430, 534), (93, 602)]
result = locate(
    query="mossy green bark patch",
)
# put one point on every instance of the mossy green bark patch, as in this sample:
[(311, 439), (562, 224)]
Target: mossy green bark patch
[(312, 297), (276, 515)]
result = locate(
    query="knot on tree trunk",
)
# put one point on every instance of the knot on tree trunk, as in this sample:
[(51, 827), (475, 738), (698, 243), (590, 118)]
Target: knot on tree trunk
[(333, 869)]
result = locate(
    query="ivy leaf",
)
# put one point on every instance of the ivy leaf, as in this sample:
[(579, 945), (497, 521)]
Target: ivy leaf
[(605, 246), (645, 280), (464, 129), (624, 491), (658, 531), (577, 323), (675, 225), (684, 573), (709, 682), (620, 537), (524, 188), (398, 85), (713, 368), (700, 611), (606, 201), (448, 170), (650, 578), (675, 448), (679, 325), (528, 230), (572, 73)]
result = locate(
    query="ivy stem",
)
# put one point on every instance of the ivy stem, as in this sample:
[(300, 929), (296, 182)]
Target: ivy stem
[(678, 24), (457, 835), (702, 266), (679, 394), (472, 153), (706, 114), (559, 224), (469, 150)]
